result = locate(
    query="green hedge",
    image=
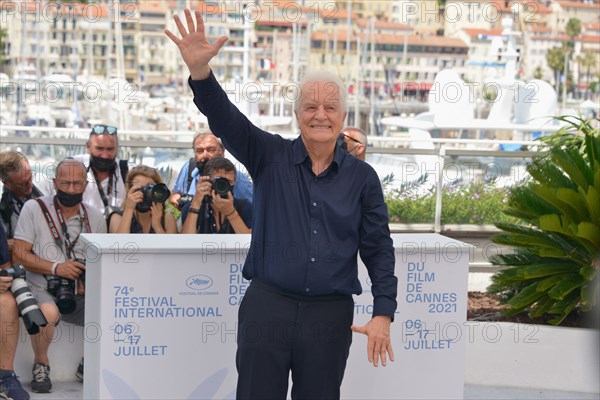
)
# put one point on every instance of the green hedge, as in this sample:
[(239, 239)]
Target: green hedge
[(476, 203)]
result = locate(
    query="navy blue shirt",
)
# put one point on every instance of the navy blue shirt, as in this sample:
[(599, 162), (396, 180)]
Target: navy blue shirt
[(208, 225), (307, 229)]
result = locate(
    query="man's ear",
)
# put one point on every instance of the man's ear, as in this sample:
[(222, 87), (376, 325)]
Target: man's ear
[(361, 149)]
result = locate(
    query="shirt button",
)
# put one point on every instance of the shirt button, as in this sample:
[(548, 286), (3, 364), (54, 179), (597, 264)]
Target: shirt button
[(314, 203), (312, 259), (307, 290), (315, 231)]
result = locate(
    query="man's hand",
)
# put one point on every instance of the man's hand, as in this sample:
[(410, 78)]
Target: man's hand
[(174, 199), (193, 46), (379, 343), (225, 206), (11, 245), (5, 283), (70, 269)]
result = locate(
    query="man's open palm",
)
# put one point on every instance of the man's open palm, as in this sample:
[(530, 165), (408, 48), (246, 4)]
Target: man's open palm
[(193, 46)]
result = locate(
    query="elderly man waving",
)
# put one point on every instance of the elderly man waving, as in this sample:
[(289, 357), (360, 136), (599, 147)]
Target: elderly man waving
[(315, 207)]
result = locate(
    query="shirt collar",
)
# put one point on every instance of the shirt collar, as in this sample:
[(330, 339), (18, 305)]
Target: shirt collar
[(299, 153)]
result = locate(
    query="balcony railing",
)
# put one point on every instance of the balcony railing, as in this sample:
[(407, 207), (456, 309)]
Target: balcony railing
[(446, 161)]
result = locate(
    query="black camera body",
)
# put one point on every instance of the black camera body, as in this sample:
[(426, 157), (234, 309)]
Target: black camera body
[(221, 186), (32, 316), (153, 193), (82, 276), (63, 291), (185, 199)]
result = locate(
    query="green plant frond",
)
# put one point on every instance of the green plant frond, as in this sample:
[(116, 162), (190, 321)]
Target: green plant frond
[(564, 307), (525, 298), (523, 258), (556, 236), (547, 283), (562, 205), (589, 295), (566, 286), (541, 270), (592, 202), (588, 272), (589, 232), (525, 200), (572, 163), (592, 146), (520, 236), (577, 200), (541, 307), (546, 173)]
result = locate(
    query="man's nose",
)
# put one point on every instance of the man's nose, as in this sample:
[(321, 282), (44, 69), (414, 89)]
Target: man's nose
[(321, 112)]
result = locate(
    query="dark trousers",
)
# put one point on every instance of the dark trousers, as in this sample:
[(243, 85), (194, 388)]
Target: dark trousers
[(279, 332)]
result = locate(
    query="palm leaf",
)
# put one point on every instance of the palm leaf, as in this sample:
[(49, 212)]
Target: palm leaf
[(557, 244)]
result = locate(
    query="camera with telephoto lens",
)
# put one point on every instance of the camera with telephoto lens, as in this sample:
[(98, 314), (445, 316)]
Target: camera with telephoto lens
[(32, 316), (154, 193), (221, 186), (63, 291)]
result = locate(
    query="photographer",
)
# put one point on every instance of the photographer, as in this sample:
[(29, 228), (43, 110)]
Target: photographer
[(140, 214), (18, 187), (10, 386), (206, 146), (48, 245), (214, 208)]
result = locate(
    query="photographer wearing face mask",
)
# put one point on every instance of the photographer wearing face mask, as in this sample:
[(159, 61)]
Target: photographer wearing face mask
[(355, 140), (48, 245), (143, 210), (105, 172), (213, 208)]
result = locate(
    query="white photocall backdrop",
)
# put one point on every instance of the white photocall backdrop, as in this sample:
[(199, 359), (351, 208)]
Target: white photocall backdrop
[(162, 322)]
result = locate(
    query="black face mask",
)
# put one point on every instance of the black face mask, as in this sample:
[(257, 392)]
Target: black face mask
[(143, 208), (68, 199), (102, 164)]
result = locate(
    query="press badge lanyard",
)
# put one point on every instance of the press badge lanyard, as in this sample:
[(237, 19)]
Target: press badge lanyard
[(68, 245), (104, 196)]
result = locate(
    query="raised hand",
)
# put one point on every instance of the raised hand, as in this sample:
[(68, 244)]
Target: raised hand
[(193, 46)]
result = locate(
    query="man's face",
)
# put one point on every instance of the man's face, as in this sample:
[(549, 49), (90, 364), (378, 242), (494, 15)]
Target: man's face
[(103, 146), (71, 178), (21, 181), (320, 115), (353, 141), (207, 148)]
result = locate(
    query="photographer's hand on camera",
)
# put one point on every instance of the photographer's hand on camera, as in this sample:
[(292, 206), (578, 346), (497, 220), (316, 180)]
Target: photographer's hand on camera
[(134, 196), (224, 206), (203, 189), (157, 212), (70, 269), (5, 282)]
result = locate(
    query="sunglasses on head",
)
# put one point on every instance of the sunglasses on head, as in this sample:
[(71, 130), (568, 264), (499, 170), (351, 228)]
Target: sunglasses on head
[(102, 129)]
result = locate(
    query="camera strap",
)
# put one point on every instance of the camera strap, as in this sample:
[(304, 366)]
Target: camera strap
[(54, 229), (70, 246), (104, 196)]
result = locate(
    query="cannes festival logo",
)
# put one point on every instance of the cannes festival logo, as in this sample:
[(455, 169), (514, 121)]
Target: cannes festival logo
[(199, 282)]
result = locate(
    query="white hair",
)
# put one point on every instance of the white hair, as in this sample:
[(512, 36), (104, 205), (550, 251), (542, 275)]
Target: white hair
[(323, 77)]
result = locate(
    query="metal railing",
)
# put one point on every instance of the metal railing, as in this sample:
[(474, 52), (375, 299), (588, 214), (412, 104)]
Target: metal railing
[(439, 150)]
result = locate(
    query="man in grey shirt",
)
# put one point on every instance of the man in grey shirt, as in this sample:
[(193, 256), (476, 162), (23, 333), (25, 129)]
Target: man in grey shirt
[(47, 243)]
